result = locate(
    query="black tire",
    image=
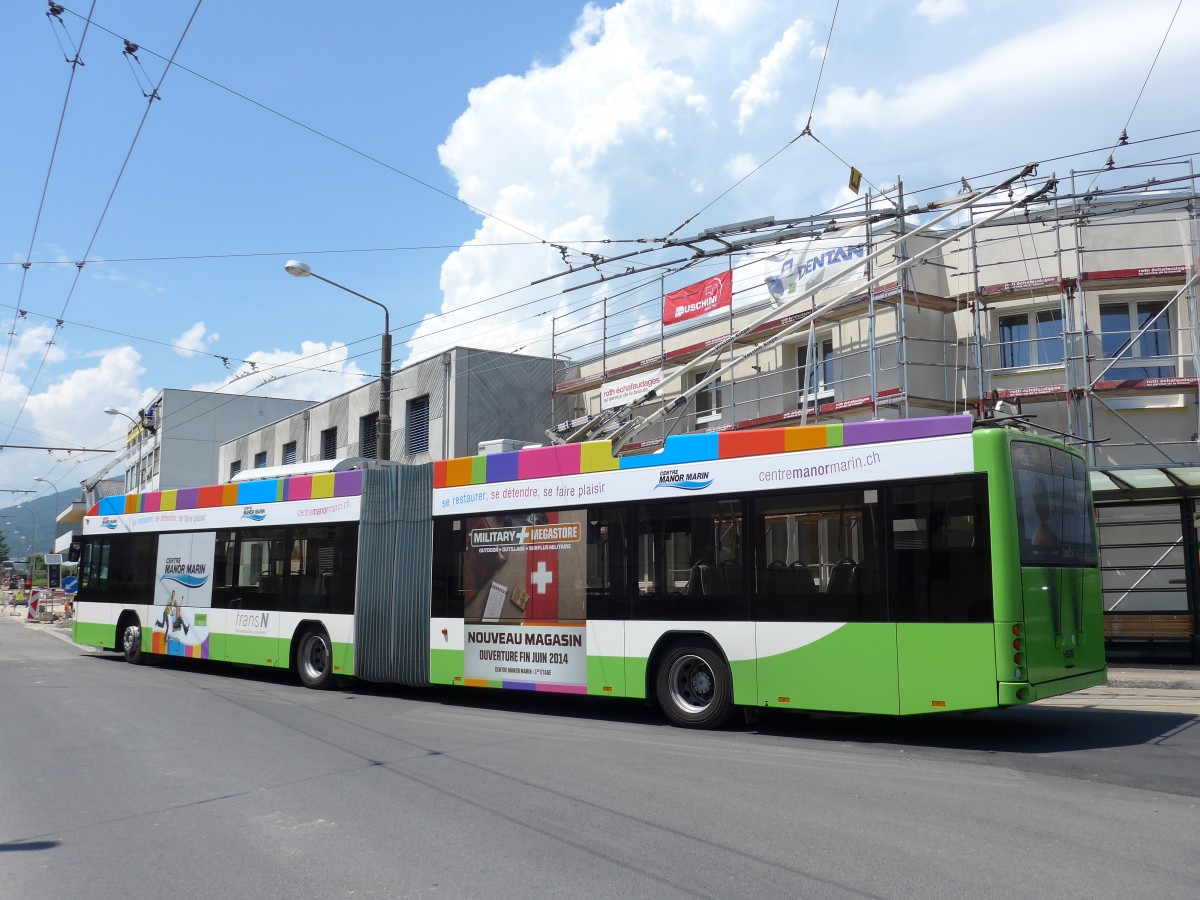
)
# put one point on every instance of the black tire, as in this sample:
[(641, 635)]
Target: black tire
[(694, 687), (314, 659), (130, 636)]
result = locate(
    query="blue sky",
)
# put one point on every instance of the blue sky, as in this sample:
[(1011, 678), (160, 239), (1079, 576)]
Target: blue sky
[(570, 123)]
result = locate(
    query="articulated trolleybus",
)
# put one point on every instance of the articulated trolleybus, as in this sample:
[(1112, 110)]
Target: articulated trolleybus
[(897, 567)]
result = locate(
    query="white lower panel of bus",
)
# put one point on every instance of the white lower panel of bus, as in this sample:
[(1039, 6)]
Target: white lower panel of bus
[(738, 640), (250, 623)]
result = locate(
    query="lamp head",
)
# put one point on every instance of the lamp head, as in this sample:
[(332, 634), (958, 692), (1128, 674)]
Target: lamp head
[(112, 412), (297, 268)]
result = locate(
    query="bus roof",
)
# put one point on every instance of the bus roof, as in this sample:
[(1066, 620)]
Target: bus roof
[(596, 456), (246, 493)]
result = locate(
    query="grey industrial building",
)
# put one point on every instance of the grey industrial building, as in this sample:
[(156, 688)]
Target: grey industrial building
[(442, 407)]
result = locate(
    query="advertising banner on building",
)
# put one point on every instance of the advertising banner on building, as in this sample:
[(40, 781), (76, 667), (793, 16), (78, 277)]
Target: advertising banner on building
[(796, 270), (698, 299), (624, 390)]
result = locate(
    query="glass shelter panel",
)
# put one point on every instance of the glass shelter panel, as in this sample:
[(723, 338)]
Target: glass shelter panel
[(1142, 559)]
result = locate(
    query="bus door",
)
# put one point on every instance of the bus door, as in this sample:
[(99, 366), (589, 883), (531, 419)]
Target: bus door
[(940, 594), (822, 633), (249, 574), (1060, 582)]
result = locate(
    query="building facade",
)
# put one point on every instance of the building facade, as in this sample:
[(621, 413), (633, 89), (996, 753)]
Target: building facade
[(441, 407), (1079, 314)]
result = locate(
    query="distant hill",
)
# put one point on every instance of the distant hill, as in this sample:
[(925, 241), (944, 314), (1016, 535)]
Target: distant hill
[(18, 532)]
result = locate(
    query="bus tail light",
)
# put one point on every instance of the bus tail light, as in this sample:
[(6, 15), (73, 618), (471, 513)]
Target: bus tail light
[(1017, 658), (1017, 644), (1017, 630), (1017, 673)]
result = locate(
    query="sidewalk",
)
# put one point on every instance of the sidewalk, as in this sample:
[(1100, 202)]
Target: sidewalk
[(1179, 677)]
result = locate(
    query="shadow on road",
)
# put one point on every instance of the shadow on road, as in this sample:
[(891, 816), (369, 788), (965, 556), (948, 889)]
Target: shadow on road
[(1020, 730), (29, 845)]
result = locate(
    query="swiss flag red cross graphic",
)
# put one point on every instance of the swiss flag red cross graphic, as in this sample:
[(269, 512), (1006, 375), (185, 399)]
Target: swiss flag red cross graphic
[(541, 581)]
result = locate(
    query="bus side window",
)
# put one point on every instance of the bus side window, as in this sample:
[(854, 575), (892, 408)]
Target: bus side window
[(940, 561), (607, 563), (818, 557), (689, 560)]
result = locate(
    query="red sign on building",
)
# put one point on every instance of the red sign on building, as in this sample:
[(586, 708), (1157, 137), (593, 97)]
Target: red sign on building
[(698, 299)]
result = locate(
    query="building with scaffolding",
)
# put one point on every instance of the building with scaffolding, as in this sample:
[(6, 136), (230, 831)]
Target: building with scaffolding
[(1076, 313)]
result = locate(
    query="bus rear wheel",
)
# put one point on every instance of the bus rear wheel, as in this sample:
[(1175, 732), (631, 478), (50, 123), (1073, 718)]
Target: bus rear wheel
[(131, 641), (694, 687), (314, 659)]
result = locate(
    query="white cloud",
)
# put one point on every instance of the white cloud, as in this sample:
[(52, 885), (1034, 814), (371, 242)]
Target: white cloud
[(195, 340), (71, 409), (1024, 76), (741, 165), (659, 106), (30, 345), (639, 107), (762, 88), (69, 412), (317, 371), (938, 10)]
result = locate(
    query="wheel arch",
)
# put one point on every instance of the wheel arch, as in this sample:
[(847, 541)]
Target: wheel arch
[(123, 619), (301, 627), (669, 639)]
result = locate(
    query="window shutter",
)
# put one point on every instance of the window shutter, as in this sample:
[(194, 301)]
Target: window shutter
[(417, 425)]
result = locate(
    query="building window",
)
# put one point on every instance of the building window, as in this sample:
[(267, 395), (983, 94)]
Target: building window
[(416, 425), (234, 468), (289, 453), (260, 460), (708, 401), (368, 431), (1031, 339), (820, 376), (1119, 326), (329, 443)]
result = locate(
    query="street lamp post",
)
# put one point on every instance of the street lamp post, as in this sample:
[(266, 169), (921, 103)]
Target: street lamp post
[(55, 531), (383, 440), (142, 425), (49, 482)]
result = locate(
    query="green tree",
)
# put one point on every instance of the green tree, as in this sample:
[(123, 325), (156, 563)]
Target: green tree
[(5, 552)]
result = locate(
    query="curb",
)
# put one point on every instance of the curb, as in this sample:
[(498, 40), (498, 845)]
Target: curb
[(1183, 683)]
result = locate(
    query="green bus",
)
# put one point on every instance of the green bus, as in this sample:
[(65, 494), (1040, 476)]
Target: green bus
[(887, 567)]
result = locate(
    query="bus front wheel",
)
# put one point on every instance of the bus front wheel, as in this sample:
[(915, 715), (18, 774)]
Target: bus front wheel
[(694, 687), (314, 659), (131, 641)]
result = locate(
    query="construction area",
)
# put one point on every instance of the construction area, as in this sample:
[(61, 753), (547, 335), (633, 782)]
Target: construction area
[(1068, 303)]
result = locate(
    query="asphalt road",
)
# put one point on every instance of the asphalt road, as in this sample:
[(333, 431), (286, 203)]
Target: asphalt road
[(194, 780)]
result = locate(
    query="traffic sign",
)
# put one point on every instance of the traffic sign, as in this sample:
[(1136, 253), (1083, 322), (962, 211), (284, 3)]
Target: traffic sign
[(70, 584)]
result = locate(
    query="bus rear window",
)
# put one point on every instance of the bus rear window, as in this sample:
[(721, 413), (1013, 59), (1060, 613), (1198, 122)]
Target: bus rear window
[(1054, 507)]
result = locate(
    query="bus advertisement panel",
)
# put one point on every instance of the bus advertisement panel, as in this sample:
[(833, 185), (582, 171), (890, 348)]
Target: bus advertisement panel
[(526, 595), (183, 594)]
